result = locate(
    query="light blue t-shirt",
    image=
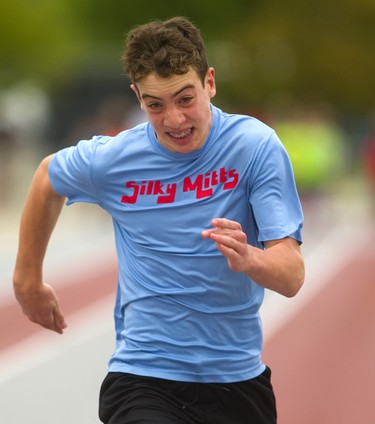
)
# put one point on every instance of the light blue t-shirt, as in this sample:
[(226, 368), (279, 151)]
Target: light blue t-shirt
[(180, 312)]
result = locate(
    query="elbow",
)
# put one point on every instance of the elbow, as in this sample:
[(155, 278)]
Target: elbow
[(293, 289), (296, 282)]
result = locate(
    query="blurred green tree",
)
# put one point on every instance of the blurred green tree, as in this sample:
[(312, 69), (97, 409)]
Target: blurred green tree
[(39, 40), (265, 53)]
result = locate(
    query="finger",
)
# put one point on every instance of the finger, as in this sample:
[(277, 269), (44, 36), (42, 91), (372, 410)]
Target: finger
[(225, 231), (47, 322), (225, 223), (226, 251), (59, 320), (235, 239), (52, 321), (207, 233)]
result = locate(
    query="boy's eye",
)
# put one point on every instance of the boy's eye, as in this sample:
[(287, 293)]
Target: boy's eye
[(185, 100), (154, 106)]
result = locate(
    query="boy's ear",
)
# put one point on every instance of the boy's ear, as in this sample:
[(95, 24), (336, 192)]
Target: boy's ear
[(136, 91), (210, 81)]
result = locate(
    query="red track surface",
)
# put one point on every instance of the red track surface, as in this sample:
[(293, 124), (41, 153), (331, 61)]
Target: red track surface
[(323, 361), (73, 297)]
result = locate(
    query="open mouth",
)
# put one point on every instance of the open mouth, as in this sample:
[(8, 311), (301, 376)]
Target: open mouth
[(181, 135)]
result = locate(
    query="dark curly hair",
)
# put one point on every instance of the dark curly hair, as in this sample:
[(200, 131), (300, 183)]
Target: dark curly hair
[(167, 48)]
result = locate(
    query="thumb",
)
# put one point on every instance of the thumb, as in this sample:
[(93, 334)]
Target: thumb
[(59, 320)]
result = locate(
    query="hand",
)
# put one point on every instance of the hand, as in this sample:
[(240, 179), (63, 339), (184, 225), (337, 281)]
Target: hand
[(231, 241), (42, 307)]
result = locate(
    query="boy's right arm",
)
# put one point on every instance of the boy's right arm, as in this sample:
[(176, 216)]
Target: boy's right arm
[(41, 211)]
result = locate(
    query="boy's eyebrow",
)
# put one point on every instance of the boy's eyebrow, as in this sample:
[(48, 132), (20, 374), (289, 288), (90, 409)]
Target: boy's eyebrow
[(146, 96)]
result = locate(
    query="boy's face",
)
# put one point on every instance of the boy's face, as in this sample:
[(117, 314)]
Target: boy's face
[(178, 108)]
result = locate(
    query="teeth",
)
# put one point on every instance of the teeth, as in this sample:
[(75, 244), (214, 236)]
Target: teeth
[(181, 135)]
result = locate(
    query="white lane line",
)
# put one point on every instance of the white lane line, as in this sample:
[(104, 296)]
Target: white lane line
[(85, 325)]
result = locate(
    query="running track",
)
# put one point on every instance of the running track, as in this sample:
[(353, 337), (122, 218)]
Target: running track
[(320, 345)]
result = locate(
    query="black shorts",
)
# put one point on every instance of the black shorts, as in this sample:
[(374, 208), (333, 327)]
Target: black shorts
[(131, 399)]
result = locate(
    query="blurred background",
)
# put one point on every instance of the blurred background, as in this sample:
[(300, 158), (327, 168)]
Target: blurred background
[(306, 69)]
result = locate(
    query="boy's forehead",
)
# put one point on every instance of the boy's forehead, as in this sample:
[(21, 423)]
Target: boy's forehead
[(155, 86)]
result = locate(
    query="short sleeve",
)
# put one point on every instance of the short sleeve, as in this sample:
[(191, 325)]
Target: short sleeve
[(273, 195), (70, 172)]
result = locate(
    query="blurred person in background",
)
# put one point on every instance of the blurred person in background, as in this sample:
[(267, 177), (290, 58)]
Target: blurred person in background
[(206, 217)]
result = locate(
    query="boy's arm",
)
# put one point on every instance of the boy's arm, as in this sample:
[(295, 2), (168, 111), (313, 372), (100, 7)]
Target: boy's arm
[(279, 267), (41, 211)]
